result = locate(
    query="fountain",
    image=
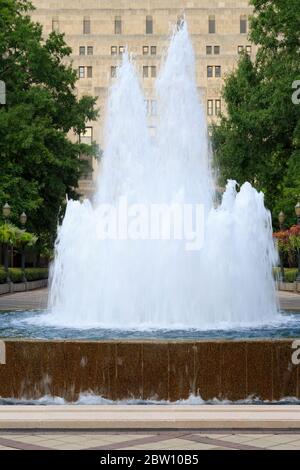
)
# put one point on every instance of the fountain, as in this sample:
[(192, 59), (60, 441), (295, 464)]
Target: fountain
[(116, 277), (159, 284)]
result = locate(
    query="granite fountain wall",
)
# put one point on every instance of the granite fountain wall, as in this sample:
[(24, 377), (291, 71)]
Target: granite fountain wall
[(164, 370)]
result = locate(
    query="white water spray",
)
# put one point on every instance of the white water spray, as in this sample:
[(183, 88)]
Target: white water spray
[(158, 283)]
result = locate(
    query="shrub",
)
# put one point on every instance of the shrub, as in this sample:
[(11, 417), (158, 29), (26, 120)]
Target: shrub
[(15, 274), (290, 275), (31, 274), (288, 240), (2, 276), (35, 274)]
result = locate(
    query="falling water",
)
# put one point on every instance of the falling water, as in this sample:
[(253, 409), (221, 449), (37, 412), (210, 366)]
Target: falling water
[(158, 283)]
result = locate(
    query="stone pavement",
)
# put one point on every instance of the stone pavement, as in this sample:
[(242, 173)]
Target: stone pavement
[(150, 440), (37, 299)]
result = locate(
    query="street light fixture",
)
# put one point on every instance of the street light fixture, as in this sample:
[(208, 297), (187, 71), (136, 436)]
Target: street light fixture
[(6, 210), (281, 219), (23, 219)]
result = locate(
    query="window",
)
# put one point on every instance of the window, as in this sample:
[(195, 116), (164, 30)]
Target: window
[(179, 22), (243, 24), (121, 50), (145, 71), (249, 50), (153, 50), (114, 50), (218, 71), (210, 107), (208, 50), (55, 24), (151, 107), (89, 72), (211, 25), (90, 50), (145, 50), (118, 25), (82, 50), (81, 72), (149, 25), (113, 71), (153, 110), (147, 103), (153, 71), (152, 131), (240, 49), (86, 25), (210, 71), (216, 50), (87, 136), (213, 107)]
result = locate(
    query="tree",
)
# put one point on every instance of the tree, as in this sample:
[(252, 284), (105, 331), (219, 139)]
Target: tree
[(258, 139), (39, 164)]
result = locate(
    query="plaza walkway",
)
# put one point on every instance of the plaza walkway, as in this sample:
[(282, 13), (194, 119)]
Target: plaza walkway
[(37, 299), (150, 440)]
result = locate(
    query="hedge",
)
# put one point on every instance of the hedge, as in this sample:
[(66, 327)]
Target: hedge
[(290, 274), (31, 274)]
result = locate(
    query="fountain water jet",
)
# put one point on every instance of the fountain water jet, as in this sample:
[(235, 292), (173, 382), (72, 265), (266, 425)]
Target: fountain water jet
[(158, 284)]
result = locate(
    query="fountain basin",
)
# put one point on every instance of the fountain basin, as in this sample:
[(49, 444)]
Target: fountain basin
[(150, 369)]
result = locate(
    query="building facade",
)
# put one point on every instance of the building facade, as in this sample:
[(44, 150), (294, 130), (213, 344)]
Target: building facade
[(98, 32)]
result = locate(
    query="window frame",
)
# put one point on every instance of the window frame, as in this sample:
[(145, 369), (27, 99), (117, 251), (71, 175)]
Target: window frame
[(81, 71), (210, 107), (86, 25), (212, 24), (210, 71), (219, 68), (149, 24), (113, 71), (118, 25)]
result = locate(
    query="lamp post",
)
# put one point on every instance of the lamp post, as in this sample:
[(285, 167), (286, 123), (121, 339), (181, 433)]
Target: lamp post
[(6, 210), (297, 212), (23, 220), (281, 219), (6, 214)]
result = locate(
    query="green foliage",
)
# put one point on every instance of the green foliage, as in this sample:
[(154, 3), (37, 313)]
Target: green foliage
[(8, 234), (15, 236), (259, 138), (35, 274), (290, 274), (31, 274), (39, 164), (2, 276), (16, 275)]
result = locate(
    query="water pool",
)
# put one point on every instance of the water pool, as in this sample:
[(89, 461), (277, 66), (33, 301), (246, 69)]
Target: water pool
[(32, 324)]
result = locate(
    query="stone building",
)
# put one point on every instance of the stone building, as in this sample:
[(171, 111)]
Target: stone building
[(99, 31)]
